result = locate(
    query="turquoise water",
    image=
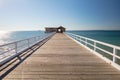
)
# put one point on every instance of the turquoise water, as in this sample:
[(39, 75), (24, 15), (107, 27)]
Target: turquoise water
[(112, 37)]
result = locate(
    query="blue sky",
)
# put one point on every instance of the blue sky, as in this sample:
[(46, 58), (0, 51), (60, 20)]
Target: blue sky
[(72, 14)]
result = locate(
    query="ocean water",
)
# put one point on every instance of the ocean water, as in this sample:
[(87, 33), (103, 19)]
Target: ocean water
[(7, 37), (112, 37)]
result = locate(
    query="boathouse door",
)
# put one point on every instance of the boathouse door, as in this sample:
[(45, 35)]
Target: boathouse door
[(60, 30)]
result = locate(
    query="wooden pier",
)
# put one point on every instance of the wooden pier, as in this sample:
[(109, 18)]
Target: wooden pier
[(61, 58)]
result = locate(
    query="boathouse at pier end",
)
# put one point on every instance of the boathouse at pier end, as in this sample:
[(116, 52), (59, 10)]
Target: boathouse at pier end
[(60, 29)]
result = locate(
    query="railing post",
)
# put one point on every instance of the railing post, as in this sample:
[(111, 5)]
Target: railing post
[(74, 37), (94, 46), (15, 47), (80, 39), (114, 53), (86, 42), (16, 51)]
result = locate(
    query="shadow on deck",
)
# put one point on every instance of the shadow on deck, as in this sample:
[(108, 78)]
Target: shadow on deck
[(8, 67)]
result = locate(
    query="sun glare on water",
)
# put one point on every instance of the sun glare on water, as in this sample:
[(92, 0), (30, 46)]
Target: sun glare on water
[(3, 35), (2, 32)]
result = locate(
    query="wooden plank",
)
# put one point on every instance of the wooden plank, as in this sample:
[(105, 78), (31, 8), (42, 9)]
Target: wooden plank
[(63, 59)]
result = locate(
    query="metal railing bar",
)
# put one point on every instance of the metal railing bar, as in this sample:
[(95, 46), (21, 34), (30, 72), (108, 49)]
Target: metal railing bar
[(90, 44), (107, 44), (105, 51), (7, 51), (86, 42), (18, 48)]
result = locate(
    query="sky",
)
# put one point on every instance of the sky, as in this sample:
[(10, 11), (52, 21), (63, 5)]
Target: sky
[(17, 15)]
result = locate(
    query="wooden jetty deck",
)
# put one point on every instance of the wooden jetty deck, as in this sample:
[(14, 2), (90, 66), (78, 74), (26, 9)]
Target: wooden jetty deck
[(61, 58)]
